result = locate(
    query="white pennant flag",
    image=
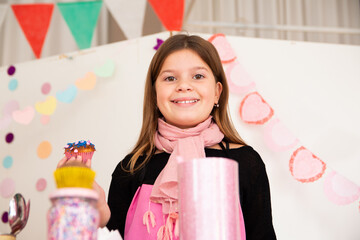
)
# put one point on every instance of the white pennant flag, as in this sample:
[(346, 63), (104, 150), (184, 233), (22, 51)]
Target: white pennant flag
[(3, 9), (129, 15)]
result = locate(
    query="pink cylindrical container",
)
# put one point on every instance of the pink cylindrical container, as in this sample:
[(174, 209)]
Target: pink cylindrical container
[(209, 205), (73, 214)]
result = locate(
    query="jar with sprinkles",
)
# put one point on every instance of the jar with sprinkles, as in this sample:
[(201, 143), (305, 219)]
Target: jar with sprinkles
[(73, 214)]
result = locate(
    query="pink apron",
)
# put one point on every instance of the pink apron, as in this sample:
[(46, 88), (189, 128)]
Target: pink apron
[(136, 229)]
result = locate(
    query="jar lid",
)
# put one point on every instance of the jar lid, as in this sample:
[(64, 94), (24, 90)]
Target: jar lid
[(74, 192)]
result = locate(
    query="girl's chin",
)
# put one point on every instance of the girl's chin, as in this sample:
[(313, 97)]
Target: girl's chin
[(185, 122)]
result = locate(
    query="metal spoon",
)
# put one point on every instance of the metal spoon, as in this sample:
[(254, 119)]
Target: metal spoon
[(27, 211), (17, 214)]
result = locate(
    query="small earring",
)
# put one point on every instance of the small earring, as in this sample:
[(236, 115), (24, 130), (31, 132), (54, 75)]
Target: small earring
[(216, 105)]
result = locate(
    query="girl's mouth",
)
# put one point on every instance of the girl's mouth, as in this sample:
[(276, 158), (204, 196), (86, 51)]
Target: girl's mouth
[(185, 101)]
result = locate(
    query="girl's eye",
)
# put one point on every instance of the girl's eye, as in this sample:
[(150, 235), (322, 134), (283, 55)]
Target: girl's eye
[(170, 79), (198, 76)]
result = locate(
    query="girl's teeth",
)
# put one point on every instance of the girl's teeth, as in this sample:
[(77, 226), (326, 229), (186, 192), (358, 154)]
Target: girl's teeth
[(190, 101)]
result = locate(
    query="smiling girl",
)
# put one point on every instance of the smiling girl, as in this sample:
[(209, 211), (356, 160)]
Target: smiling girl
[(185, 114)]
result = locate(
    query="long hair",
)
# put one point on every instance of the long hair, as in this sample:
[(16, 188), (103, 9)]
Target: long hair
[(207, 52)]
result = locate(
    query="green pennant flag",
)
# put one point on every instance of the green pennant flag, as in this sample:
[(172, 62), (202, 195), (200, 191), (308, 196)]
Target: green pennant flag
[(81, 17)]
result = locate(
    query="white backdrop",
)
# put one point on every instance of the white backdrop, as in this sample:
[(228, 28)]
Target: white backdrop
[(312, 87)]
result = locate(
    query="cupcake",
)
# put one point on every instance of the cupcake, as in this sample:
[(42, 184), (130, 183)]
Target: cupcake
[(74, 174), (83, 148)]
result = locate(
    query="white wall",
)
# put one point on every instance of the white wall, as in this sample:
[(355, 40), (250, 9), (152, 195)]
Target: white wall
[(311, 87)]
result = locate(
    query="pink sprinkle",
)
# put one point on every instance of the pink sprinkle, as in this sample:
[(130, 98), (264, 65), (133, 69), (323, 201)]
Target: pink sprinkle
[(76, 150), (71, 148)]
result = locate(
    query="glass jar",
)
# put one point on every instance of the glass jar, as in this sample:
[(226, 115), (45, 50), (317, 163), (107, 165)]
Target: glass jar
[(7, 237), (73, 214)]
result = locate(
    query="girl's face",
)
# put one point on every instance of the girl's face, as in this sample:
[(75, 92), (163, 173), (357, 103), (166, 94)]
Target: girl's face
[(186, 89)]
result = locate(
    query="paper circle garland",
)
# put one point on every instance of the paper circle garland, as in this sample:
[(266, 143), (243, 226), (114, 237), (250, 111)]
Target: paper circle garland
[(44, 149), (7, 162), (340, 190), (238, 79), (11, 70), (41, 184), (7, 187), (5, 217), (277, 137), (9, 137)]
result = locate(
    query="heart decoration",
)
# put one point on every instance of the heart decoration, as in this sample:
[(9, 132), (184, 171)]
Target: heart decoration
[(106, 70), (25, 116), (47, 107), (254, 109), (340, 190), (223, 47), (238, 79), (68, 95), (305, 166), (86, 83), (278, 137)]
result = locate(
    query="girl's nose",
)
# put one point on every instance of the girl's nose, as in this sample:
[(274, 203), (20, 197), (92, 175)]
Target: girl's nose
[(183, 86)]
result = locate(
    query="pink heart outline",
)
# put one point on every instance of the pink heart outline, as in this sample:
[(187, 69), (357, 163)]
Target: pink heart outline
[(226, 53), (314, 162), (255, 110)]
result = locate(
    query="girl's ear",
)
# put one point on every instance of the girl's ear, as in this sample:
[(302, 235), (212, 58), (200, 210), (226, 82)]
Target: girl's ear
[(218, 91)]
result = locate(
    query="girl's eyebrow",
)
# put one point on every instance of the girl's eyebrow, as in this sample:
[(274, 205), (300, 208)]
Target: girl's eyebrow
[(200, 68), (174, 70)]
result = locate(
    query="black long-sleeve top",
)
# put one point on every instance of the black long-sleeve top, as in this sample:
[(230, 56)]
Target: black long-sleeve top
[(253, 184)]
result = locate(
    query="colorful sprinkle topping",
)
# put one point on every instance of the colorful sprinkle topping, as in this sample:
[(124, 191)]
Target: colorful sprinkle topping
[(78, 144)]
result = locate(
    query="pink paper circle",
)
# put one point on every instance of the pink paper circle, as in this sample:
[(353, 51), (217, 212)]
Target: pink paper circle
[(340, 190), (45, 119), (41, 184), (238, 79), (277, 137), (45, 89), (10, 107), (7, 187)]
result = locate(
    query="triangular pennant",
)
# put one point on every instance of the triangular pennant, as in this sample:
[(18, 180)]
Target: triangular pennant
[(34, 20), (81, 17), (3, 10), (129, 15), (170, 13)]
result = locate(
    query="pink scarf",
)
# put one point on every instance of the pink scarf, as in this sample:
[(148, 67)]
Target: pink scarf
[(187, 144)]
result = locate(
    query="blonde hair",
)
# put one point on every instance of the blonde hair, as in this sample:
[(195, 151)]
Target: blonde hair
[(145, 144)]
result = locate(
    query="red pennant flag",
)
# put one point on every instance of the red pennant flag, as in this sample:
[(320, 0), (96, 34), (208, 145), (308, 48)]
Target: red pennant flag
[(34, 20), (170, 13)]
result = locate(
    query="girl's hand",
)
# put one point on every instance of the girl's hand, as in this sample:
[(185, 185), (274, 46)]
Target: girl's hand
[(103, 208), (102, 205), (64, 161)]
